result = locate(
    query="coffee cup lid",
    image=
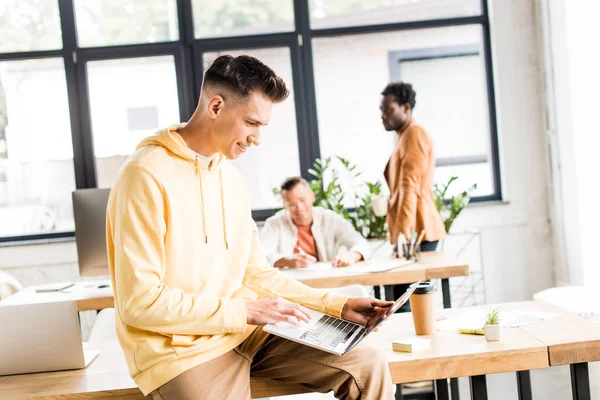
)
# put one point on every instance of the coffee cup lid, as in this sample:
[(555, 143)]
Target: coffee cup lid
[(425, 288)]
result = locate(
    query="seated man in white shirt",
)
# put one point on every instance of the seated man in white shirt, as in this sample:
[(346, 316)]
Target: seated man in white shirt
[(301, 234)]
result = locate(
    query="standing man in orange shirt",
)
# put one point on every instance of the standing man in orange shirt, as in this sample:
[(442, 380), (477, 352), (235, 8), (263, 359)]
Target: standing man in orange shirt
[(409, 174)]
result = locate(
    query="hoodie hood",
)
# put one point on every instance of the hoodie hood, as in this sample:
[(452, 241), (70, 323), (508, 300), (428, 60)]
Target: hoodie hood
[(172, 141)]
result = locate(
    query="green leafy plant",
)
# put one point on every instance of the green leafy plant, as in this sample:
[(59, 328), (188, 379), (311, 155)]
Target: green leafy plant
[(331, 195), (450, 207), (493, 317)]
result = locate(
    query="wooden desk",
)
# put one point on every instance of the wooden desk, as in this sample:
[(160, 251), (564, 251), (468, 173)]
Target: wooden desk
[(432, 266), (451, 355), (571, 340), (88, 297)]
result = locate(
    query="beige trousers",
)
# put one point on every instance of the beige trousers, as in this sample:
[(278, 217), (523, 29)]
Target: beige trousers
[(362, 374)]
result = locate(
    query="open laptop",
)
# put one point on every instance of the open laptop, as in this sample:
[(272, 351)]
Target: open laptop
[(335, 335), (41, 337)]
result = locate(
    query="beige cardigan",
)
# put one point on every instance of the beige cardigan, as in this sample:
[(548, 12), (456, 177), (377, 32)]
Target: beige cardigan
[(330, 230)]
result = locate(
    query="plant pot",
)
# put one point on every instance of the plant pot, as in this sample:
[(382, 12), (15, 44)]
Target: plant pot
[(493, 333)]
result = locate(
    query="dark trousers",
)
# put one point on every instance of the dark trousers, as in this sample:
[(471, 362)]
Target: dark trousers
[(392, 292)]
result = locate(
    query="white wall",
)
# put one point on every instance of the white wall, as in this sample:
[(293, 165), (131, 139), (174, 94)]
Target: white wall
[(573, 83), (517, 241)]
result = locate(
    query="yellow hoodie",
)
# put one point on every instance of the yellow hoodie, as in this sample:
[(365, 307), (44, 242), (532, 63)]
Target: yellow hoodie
[(184, 256)]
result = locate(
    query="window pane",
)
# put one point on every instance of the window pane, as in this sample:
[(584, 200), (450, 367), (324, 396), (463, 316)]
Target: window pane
[(481, 174), (246, 17), (266, 166), (452, 109), (466, 87), (336, 13), (118, 22), (29, 25), (36, 151), (129, 100)]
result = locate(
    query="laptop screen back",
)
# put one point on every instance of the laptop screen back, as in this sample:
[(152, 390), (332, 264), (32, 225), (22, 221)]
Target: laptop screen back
[(383, 313)]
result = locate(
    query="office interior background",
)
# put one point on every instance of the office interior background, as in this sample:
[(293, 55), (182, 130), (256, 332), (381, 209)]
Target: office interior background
[(507, 88)]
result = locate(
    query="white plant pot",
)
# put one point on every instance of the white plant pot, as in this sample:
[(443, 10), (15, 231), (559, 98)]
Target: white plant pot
[(493, 333)]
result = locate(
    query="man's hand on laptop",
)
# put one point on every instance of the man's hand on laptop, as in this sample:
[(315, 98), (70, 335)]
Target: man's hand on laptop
[(273, 310), (360, 309)]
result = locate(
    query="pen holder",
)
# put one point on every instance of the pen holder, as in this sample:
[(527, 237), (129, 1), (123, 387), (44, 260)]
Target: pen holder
[(411, 252)]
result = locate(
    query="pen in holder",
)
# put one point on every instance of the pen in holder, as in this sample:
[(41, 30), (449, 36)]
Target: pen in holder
[(411, 251)]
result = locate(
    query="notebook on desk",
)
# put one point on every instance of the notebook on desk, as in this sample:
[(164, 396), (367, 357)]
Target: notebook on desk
[(41, 337), (370, 266)]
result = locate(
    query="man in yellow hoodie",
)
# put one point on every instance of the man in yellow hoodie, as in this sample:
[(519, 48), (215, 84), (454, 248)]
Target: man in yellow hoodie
[(191, 284)]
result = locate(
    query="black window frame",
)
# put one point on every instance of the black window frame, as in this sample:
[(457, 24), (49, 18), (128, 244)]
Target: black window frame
[(187, 53)]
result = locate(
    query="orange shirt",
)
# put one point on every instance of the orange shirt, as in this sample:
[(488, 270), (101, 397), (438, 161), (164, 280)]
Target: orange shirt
[(306, 240)]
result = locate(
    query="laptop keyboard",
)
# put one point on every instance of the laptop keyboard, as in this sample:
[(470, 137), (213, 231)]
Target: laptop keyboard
[(329, 332)]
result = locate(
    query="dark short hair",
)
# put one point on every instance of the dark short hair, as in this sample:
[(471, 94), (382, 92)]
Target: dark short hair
[(291, 183), (403, 91), (244, 75)]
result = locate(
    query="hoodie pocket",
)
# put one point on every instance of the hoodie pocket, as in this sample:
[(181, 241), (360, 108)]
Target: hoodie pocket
[(151, 351), (181, 344)]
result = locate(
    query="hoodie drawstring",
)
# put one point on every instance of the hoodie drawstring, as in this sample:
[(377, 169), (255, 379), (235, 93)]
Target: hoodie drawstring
[(223, 210), (199, 170)]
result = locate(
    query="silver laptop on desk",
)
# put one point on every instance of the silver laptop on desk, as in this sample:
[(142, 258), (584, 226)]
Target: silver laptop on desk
[(335, 335), (41, 337)]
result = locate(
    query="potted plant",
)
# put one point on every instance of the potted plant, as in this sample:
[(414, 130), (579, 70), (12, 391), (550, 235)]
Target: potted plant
[(331, 196), (492, 328), (450, 207)]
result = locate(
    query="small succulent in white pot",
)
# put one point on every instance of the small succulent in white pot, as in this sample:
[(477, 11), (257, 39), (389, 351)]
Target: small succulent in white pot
[(492, 328)]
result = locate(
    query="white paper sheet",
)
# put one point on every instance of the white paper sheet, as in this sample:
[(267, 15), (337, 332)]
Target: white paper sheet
[(476, 320)]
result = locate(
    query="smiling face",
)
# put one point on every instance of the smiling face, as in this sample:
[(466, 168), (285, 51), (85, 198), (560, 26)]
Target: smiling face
[(298, 201), (237, 122)]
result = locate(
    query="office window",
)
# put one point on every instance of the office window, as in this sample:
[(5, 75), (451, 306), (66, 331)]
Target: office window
[(142, 118), (266, 166), (461, 134), (36, 153), (451, 99), (245, 17), (119, 22), (335, 13), (116, 88), (29, 25)]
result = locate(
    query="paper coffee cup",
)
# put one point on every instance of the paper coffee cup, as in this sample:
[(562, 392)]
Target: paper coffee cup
[(379, 204), (422, 303)]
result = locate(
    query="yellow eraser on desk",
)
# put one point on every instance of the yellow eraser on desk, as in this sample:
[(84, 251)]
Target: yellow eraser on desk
[(411, 344), (471, 331)]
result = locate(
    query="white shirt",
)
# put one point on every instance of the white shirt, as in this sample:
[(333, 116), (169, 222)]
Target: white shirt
[(330, 230), (204, 159)]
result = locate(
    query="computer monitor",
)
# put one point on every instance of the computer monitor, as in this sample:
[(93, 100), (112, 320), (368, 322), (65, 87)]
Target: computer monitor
[(89, 209)]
